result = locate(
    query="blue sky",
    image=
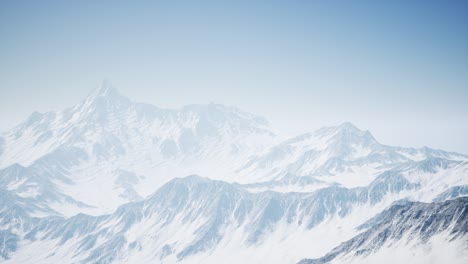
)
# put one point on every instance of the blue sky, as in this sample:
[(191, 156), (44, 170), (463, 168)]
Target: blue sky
[(397, 68)]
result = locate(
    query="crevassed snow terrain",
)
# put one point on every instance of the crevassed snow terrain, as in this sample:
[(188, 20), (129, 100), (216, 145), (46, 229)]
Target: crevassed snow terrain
[(105, 181)]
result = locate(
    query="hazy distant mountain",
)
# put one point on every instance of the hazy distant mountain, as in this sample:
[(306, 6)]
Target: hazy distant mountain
[(338, 151), (107, 125)]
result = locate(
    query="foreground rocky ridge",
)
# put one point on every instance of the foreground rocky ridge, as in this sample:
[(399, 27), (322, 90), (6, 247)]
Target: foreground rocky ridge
[(413, 221)]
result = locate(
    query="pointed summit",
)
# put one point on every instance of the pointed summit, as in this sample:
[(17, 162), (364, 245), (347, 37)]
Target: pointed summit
[(104, 98), (105, 89), (347, 129), (347, 126), (346, 133), (343, 128)]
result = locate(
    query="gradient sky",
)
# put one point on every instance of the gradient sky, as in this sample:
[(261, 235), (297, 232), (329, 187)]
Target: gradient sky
[(396, 68)]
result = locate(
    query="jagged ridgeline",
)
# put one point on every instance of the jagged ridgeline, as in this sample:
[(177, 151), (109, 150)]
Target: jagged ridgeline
[(110, 180)]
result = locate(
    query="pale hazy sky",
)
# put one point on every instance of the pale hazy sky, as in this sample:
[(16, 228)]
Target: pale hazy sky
[(396, 68)]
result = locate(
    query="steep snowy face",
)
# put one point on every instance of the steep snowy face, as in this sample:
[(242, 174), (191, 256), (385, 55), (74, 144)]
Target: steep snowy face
[(413, 224)]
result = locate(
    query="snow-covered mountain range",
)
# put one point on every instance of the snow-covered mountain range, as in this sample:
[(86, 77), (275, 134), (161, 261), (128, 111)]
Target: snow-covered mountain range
[(110, 180)]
